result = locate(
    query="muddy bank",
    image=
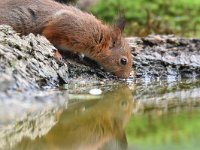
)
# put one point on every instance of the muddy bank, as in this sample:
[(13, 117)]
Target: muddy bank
[(31, 62)]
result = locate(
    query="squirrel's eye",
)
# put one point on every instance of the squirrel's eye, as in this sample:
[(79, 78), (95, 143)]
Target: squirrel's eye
[(123, 61)]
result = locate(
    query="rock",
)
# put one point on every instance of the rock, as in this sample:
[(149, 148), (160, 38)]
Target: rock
[(29, 61), (164, 56)]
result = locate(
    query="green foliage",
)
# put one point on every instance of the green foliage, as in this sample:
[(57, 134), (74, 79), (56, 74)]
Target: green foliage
[(145, 17)]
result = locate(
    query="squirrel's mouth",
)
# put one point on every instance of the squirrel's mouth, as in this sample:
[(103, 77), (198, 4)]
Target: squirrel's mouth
[(123, 74)]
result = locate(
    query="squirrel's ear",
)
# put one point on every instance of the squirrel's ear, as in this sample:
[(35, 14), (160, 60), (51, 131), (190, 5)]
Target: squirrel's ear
[(120, 23)]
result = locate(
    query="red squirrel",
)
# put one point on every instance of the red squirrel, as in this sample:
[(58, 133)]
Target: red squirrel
[(70, 29)]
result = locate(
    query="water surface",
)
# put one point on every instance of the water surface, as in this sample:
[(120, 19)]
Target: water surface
[(141, 116)]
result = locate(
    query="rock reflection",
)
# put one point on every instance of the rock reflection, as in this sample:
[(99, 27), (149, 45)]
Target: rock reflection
[(89, 125)]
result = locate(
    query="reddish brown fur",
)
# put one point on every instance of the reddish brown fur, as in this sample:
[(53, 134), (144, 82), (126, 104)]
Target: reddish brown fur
[(68, 28)]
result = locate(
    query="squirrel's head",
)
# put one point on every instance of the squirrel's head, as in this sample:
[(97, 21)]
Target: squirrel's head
[(115, 55)]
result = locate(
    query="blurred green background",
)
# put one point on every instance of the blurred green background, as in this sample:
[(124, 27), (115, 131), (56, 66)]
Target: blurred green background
[(179, 17)]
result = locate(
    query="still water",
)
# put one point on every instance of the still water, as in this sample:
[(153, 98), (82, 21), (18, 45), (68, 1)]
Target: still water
[(140, 116)]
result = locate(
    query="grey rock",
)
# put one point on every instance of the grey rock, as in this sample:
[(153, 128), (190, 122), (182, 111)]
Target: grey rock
[(165, 55), (29, 61)]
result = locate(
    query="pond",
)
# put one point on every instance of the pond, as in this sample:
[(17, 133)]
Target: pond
[(135, 116)]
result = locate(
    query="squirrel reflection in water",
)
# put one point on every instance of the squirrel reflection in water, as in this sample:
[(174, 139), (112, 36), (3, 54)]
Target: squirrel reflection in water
[(89, 125)]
